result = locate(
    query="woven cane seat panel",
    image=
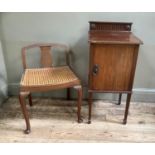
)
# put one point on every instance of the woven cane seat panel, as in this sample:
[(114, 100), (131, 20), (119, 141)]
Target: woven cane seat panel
[(48, 76)]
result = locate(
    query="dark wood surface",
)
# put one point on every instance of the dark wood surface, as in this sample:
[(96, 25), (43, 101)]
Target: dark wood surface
[(109, 37), (109, 26), (113, 58)]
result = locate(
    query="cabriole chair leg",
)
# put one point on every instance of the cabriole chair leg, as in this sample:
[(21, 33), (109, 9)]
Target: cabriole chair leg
[(22, 97)]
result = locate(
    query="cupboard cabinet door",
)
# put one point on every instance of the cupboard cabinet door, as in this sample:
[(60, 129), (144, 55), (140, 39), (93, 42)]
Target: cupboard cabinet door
[(112, 66)]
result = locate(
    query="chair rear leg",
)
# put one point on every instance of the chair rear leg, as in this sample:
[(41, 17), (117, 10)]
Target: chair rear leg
[(22, 97), (30, 99), (68, 94)]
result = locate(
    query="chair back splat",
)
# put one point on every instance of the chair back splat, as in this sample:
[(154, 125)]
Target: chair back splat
[(46, 58)]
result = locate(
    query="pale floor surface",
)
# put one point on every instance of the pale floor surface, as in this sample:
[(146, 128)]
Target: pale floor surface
[(56, 121)]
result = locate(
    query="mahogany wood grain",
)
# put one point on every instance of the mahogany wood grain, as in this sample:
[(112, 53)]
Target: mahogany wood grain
[(46, 58), (115, 67), (112, 37)]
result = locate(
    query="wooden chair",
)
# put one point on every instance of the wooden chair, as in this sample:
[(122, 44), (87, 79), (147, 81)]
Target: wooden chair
[(47, 78)]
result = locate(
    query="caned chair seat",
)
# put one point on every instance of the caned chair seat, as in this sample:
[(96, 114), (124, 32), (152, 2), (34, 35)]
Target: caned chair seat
[(54, 77)]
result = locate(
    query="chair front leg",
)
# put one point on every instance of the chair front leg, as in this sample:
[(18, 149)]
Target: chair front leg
[(79, 89), (79, 104), (22, 97)]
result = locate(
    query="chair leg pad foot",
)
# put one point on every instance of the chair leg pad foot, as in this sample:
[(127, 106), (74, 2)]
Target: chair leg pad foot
[(89, 121), (27, 131), (80, 120), (118, 103), (124, 122)]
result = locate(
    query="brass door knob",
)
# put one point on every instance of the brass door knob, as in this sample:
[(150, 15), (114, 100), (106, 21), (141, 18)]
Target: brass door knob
[(95, 69)]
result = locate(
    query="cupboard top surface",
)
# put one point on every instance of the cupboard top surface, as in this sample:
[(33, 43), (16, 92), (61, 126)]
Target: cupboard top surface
[(110, 37), (112, 33)]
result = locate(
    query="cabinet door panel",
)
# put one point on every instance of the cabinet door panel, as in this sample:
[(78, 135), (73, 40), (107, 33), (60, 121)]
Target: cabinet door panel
[(114, 67)]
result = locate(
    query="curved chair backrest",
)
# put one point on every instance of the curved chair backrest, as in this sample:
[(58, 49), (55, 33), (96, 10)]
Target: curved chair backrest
[(46, 58)]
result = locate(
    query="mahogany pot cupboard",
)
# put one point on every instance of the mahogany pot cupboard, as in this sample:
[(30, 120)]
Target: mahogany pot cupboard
[(112, 60)]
